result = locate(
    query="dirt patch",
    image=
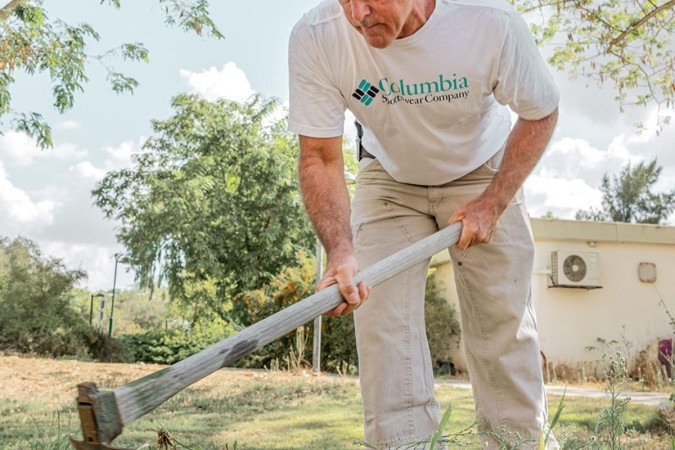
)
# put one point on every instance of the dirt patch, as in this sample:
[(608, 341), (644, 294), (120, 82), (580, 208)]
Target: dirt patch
[(54, 382)]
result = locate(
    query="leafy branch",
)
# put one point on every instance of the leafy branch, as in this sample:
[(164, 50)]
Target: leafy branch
[(634, 26), (625, 43), (32, 43)]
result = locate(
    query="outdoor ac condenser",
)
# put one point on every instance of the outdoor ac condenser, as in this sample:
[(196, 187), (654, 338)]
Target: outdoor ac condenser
[(576, 269)]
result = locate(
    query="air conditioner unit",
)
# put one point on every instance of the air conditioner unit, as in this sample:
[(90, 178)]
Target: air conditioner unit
[(576, 269)]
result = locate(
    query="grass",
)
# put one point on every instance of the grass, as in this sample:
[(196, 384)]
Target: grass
[(252, 410)]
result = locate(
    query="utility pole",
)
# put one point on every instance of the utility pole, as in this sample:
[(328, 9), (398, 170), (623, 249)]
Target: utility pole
[(112, 306)]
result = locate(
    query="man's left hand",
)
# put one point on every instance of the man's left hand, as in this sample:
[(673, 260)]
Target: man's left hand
[(479, 219)]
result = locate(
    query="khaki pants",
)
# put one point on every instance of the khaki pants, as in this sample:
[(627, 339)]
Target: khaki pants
[(498, 322)]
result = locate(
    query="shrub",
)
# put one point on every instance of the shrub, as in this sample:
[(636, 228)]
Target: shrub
[(285, 289), (442, 325), (338, 345), (36, 313), (162, 346), (105, 348)]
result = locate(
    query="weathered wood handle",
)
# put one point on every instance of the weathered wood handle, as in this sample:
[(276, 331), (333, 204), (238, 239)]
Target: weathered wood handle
[(145, 394)]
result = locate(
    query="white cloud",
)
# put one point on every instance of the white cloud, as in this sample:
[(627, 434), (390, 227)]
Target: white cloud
[(568, 177), (64, 152), (80, 234), (575, 158), (98, 261), (18, 211), (230, 83), (69, 125), (568, 155), (118, 157), (19, 149), (87, 171), (59, 215), (570, 173), (563, 197)]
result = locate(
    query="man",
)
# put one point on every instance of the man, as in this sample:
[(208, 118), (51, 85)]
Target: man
[(428, 81)]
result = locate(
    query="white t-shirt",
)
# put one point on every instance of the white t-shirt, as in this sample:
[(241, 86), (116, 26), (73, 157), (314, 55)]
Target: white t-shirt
[(431, 104)]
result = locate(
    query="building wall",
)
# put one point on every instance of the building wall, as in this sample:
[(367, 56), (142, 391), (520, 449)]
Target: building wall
[(625, 309)]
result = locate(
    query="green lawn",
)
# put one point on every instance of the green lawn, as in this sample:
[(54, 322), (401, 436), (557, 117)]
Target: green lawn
[(281, 411)]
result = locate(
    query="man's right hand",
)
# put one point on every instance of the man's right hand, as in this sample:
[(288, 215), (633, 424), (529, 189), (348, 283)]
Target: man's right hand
[(341, 271), (321, 170)]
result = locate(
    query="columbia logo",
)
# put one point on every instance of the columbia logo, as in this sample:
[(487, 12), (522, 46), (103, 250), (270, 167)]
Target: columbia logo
[(365, 93)]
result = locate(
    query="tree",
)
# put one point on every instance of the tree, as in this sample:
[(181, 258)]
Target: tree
[(212, 204), (36, 313), (628, 197), (32, 43), (624, 42)]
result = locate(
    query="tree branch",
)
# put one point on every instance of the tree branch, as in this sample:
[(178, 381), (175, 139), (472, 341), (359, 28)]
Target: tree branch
[(9, 8), (639, 23), (541, 5), (595, 16)]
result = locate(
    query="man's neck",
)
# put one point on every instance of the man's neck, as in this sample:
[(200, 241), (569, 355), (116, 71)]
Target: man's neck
[(418, 17)]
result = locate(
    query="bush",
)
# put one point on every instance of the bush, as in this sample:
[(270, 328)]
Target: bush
[(442, 326), (102, 347), (338, 344), (160, 346), (285, 289), (36, 313)]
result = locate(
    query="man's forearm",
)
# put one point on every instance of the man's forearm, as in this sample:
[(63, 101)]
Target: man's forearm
[(524, 148), (325, 194)]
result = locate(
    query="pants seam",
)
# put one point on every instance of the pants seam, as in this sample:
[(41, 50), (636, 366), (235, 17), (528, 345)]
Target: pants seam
[(486, 362), (409, 368), (408, 357)]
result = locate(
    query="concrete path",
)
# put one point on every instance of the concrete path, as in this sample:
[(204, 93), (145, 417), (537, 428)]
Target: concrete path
[(646, 398)]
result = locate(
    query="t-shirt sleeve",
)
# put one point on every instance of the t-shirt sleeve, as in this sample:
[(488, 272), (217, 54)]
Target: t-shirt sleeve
[(316, 106), (524, 82)]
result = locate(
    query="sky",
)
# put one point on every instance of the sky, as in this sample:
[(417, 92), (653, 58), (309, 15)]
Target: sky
[(45, 195)]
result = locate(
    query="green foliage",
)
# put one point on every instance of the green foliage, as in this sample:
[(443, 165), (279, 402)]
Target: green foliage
[(288, 287), (628, 197), (137, 311), (442, 324), (32, 43), (212, 205), (36, 314), (610, 420), (54, 436), (622, 42), (553, 422), (438, 434), (338, 345), (161, 346)]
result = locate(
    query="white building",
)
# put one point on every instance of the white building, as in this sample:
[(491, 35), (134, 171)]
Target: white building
[(613, 281)]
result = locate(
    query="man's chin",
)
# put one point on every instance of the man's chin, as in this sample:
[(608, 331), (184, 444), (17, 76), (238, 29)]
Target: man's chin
[(377, 40)]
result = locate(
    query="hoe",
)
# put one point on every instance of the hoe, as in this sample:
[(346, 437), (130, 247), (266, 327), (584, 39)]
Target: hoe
[(103, 414)]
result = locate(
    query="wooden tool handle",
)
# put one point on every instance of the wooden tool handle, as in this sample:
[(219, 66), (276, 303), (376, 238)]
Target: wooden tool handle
[(145, 394)]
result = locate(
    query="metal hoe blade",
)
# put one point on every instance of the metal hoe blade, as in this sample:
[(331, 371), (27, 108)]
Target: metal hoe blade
[(99, 418)]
